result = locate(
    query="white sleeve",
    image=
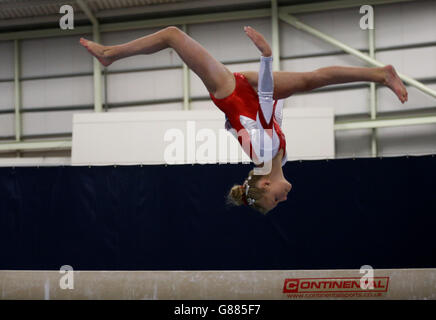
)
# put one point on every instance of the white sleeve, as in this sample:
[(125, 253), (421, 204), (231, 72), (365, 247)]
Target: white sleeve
[(265, 87)]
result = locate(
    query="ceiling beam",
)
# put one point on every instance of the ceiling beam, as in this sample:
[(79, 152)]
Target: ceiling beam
[(178, 7), (40, 20), (165, 8), (181, 6), (139, 24), (335, 5), (24, 4)]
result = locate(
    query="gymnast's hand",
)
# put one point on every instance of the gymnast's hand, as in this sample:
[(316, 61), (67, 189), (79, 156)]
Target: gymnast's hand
[(259, 41)]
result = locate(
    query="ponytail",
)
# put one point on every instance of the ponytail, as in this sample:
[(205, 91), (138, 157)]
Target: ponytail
[(236, 195)]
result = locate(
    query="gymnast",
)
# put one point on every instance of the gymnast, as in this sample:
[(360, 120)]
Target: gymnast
[(251, 101)]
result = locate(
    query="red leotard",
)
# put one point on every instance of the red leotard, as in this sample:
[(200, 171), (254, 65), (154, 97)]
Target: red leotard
[(245, 101)]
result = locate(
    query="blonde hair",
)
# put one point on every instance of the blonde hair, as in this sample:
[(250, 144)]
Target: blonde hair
[(237, 193)]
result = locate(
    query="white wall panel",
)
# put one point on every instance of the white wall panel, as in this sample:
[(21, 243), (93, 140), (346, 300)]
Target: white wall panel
[(6, 95), (164, 58), (388, 101), (227, 41), (341, 24), (203, 105), (240, 67), (199, 90), (416, 63), (51, 56), (57, 92), (7, 125), (353, 143), (407, 140), (119, 138), (393, 141), (151, 107), (407, 23), (6, 59), (343, 102), (197, 87), (150, 85), (36, 123), (311, 64), (309, 133)]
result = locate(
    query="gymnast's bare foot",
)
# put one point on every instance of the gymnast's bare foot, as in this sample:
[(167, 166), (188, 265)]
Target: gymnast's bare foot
[(259, 41), (98, 51), (393, 81)]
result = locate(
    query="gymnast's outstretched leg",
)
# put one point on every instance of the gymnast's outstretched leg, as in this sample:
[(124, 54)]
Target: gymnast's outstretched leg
[(288, 83), (216, 77)]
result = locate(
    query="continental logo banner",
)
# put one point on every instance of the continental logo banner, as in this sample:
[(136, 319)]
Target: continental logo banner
[(351, 287)]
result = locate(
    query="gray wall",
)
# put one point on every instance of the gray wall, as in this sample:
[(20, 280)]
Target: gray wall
[(411, 24)]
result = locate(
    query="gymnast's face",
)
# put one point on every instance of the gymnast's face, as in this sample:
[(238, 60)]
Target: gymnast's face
[(275, 191)]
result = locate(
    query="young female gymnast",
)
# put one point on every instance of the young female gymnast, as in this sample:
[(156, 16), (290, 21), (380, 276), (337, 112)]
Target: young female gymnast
[(251, 101)]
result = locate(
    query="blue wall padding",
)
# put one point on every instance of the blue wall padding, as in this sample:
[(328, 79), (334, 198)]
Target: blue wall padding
[(339, 214)]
